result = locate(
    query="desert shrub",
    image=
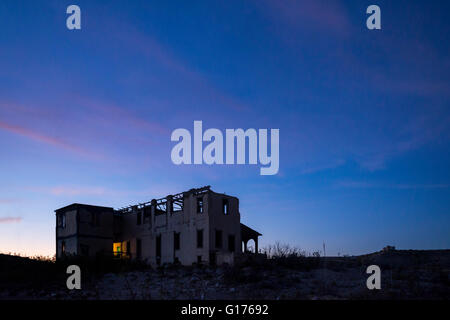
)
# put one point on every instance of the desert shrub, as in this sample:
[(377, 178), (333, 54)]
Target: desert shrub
[(279, 250), (288, 256)]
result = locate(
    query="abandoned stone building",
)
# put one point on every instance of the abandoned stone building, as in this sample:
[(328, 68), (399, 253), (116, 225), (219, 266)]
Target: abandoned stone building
[(197, 226)]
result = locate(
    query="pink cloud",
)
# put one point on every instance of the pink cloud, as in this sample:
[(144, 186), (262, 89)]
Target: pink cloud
[(5, 201), (309, 14), (10, 220), (115, 113), (39, 137), (91, 124)]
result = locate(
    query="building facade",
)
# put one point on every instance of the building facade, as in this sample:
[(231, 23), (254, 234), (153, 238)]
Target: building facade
[(196, 226)]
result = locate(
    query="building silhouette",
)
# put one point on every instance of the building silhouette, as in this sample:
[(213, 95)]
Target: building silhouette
[(196, 226)]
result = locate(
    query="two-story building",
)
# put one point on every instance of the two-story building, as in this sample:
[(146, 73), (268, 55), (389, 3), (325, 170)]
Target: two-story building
[(196, 226)]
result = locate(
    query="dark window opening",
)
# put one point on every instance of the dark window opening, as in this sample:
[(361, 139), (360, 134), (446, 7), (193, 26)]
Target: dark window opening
[(218, 239), (147, 213), (225, 206), (199, 259), (176, 241), (138, 248), (63, 248), (199, 205), (128, 253), (176, 260), (158, 249), (212, 258), (139, 217), (62, 220), (200, 238), (231, 243)]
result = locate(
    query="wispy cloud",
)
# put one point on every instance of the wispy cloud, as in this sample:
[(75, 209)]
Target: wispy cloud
[(322, 15), (73, 190), (10, 220), (379, 185), (9, 200), (116, 114), (98, 129), (49, 140), (308, 169), (150, 47)]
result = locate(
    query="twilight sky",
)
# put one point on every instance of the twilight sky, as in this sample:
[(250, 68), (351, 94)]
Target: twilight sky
[(364, 116)]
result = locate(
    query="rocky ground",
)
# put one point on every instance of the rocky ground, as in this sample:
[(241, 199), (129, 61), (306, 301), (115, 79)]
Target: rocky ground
[(405, 275)]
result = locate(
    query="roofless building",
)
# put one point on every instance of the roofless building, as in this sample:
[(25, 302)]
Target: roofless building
[(196, 226)]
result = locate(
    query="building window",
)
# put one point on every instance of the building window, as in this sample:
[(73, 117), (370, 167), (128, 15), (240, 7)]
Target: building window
[(199, 259), (218, 239), (199, 205), (147, 213), (62, 220), (117, 249), (84, 250), (158, 246), (176, 241), (63, 248), (231, 243), (225, 206), (139, 217), (200, 238), (138, 248)]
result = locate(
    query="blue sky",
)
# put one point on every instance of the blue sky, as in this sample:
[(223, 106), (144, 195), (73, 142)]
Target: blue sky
[(364, 116)]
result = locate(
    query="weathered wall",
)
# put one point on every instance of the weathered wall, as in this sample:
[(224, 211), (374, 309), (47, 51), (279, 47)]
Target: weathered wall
[(185, 222), (129, 230), (71, 224), (71, 245), (228, 224), (87, 227), (90, 226), (95, 230), (67, 234)]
